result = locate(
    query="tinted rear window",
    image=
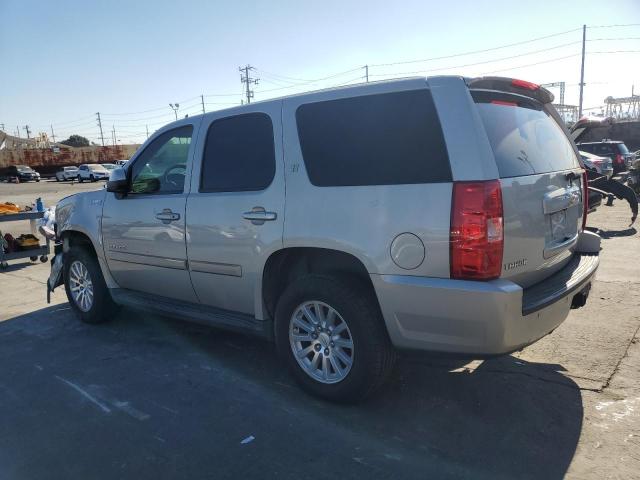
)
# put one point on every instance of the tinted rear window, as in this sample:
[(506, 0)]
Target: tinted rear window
[(385, 139), (525, 139), (622, 148)]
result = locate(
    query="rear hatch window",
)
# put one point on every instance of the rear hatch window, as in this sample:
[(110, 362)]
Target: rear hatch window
[(540, 178), (622, 148), (525, 139)]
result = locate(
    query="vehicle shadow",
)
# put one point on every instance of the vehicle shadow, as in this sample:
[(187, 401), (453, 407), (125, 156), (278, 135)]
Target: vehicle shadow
[(606, 234), (160, 398), (16, 265)]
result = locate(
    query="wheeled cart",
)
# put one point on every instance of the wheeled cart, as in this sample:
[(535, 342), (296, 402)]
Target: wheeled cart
[(33, 253)]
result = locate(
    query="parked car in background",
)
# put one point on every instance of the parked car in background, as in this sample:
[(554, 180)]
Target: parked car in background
[(595, 163), (347, 224), (121, 163), (23, 173), (109, 166), (92, 172), (617, 151), (67, 173)]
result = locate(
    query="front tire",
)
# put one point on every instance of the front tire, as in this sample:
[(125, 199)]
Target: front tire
[(79, 179), (330, 332), (85, 286)]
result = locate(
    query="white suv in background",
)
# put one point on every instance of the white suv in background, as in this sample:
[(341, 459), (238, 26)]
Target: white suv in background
[(92, 172)]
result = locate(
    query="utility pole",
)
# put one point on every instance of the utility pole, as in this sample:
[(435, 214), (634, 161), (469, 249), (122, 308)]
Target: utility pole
[(202, 98), (100, 125), (366, 73), (175, 107), (147, 127), (247, 80), (584, 41), (18, 131), (26, 127), (53, 135), (113, 134)]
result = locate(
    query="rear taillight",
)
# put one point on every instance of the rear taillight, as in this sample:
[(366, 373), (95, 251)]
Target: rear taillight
[(585, 198), (619, 158), (477, 236)]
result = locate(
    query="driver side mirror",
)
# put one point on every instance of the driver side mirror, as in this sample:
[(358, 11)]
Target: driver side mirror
[(118, 182)]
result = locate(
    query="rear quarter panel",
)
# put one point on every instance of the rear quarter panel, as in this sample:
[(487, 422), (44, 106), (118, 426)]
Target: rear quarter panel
[(363, 220)]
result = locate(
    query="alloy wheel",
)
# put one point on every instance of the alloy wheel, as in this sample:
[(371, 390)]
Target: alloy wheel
[(321, 342)]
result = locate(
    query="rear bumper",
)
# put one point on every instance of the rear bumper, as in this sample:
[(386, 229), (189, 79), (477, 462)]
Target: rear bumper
[(478, 318)]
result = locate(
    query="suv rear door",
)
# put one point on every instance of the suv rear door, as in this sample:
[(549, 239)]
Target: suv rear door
[(235, 212), (541, 181)]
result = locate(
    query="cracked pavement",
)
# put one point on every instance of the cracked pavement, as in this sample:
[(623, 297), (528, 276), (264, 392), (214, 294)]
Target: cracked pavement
[(149, 397)]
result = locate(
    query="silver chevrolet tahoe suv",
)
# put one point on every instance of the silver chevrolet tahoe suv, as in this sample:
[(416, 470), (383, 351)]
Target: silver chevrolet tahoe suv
[(443, 214)]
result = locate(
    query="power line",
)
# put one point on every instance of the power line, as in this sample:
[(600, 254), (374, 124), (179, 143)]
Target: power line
[(477, 63), (615, 25), (532, 64), (150, 110), (618, 51), (612, 39), (473, 52), (312, 80)]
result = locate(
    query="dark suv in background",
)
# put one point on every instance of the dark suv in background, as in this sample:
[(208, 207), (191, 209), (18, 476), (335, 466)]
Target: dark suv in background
[(23, 173), (617, 151)]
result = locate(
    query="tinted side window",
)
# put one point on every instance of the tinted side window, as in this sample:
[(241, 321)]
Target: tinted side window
[(603, 149), (384, 139), (586, 148), (161, 168), (239, 154)]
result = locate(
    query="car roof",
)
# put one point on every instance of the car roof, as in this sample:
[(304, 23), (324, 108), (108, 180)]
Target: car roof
[(601, 141), (356, 88)]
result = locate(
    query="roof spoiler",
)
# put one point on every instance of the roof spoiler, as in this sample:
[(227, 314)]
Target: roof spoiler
[(511, 85)]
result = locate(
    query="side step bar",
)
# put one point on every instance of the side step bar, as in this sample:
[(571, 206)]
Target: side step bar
[(202, 314)]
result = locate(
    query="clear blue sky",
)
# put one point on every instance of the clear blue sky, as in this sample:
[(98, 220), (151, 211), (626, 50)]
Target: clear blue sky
[(61, 61)]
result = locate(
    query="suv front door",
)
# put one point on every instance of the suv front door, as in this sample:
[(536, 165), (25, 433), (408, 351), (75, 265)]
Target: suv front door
[(235, 211), (144, 231)]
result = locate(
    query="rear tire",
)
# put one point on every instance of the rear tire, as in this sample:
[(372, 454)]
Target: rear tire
[(372, 355), (82, 274)]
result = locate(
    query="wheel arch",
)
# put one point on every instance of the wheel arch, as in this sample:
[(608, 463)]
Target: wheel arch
[(76, 237), (285, 265)]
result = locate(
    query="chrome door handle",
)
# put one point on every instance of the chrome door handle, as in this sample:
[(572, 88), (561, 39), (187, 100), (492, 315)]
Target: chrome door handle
[(258, 215), (167, 216)]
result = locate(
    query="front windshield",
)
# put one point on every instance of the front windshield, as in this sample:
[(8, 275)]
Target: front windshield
[(23, 168)]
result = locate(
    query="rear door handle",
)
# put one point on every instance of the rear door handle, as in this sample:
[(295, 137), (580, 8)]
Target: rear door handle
[(167, 216), (258, 215)]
